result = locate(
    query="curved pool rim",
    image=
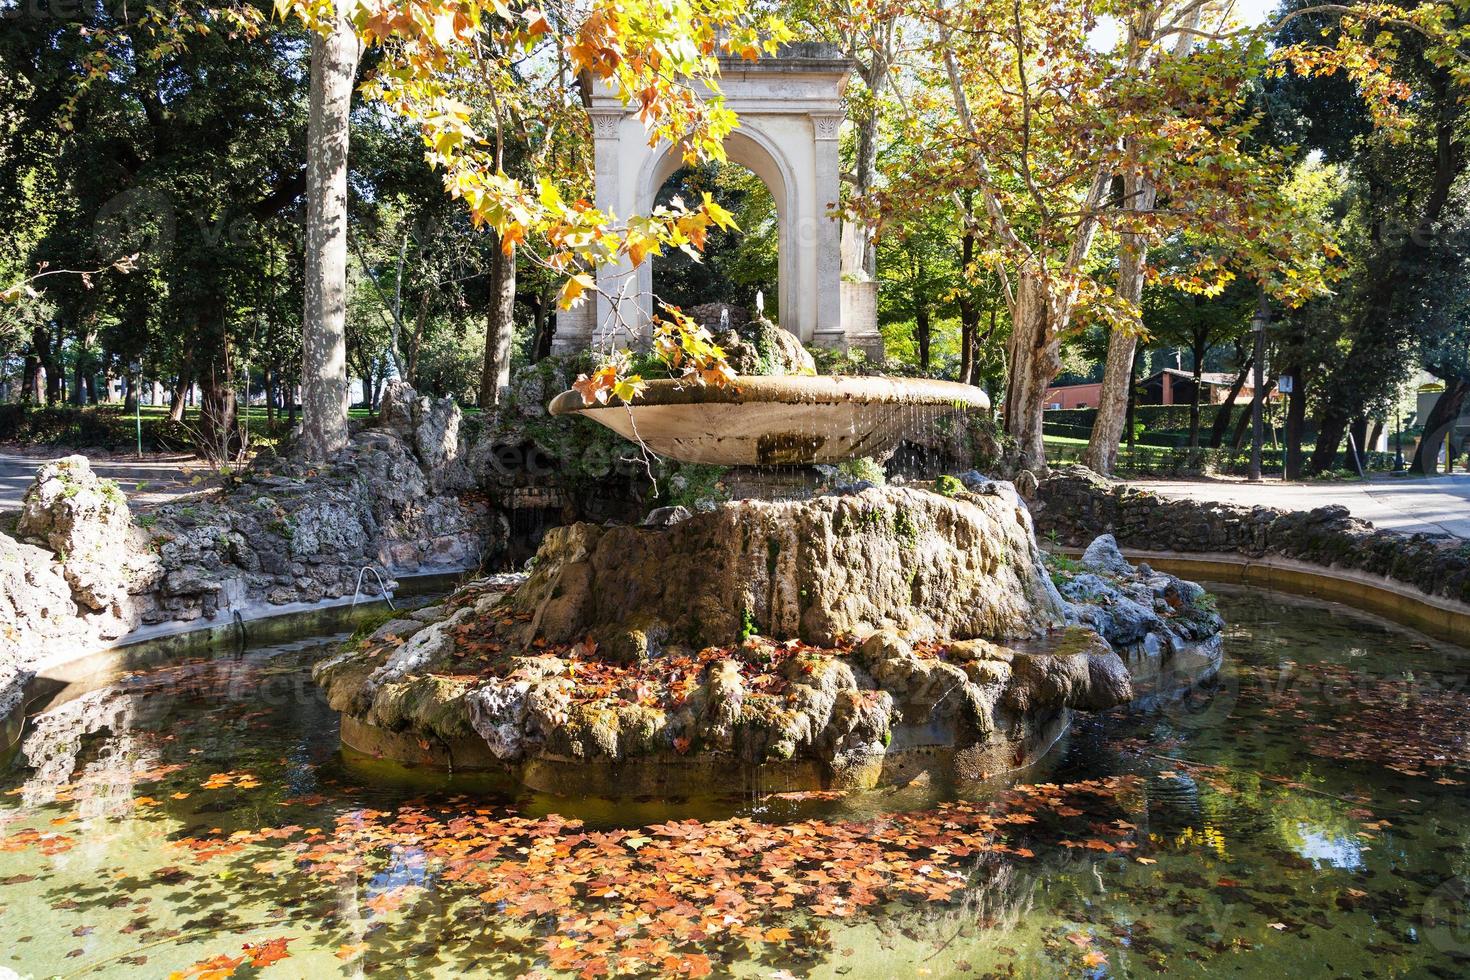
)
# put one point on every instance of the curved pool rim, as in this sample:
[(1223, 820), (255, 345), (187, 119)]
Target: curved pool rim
[(153, 647), (1437, 616)]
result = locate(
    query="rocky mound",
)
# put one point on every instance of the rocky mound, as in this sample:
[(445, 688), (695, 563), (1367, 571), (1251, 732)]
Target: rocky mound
[(842, 641), (760, 347), (76, 576)]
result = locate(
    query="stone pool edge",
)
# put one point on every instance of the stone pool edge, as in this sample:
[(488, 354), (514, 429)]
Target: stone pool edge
[(152, 645), (1437, 616)]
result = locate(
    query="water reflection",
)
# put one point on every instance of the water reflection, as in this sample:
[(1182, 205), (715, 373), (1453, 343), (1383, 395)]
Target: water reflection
[(203, 810)]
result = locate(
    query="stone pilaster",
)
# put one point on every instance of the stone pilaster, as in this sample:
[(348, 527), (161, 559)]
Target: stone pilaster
[(826, 236)]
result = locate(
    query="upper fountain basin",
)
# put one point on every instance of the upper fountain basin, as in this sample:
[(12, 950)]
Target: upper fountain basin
[(775, 421)]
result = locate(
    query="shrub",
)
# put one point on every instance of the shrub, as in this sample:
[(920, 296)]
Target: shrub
[(947, 486)]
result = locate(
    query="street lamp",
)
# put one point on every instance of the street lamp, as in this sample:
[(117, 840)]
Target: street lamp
[(1398, 436), (1258, 329)]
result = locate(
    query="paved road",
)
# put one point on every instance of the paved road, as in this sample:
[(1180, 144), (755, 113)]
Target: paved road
[(160, 479), (1435, 505)]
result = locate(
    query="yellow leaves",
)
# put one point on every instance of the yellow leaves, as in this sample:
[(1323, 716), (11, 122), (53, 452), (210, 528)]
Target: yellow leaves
[(573, 289), (629, 387), (718, 214), (609, 382), (444, 29)]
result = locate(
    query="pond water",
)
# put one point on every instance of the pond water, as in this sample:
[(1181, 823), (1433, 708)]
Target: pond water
[(1306, 815)]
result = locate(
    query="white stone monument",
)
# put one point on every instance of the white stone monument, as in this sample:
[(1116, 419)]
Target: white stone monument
[(790, 112)]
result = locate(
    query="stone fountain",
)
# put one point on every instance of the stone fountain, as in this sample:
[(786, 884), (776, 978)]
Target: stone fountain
[(846, 640), (777, 421)]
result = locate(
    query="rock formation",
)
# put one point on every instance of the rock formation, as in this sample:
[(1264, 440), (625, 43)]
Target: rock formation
[(76, 578), (843, 640), (760, 347), (84, 573)]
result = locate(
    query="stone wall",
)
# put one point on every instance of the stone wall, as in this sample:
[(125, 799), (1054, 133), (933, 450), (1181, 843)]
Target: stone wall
[(1074, 505), (82, 571)]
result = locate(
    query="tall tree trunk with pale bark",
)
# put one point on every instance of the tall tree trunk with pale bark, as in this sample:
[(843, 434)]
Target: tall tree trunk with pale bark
[(1112, 402), (1034, 357), (323, 329), (499, 328)]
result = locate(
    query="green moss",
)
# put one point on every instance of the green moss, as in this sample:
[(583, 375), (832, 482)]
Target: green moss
[(904, 527), (748, 626), (863, 468), (686, 484), (369, 625), (947, 486), (1061, 568)]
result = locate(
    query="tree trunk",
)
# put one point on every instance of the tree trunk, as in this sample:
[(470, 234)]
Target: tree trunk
[(180, 390), (1333, 427), (875, 76), (421, 319), (1114, 402), (1374, 434), (1438, 425), (1227, 407), (1296, 419), (969, 317), (499, 328), (867, 167), (270, 398), (922, 334), (33, 385), (1034, 358), (1132, 400), (323, 328), (218, 418), (30, 379), (218, 434), (1200, 348), (130, 391), (545, 326), (78, 368), (51, 362), (1359, 431)]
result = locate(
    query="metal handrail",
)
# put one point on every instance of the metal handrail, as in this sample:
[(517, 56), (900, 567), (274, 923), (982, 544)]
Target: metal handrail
[(387, 597)]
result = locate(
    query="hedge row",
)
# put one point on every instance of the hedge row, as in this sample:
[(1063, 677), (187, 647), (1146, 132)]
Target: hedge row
[(1167, 439), (1153, 417), (100, 427), (1155, 461)]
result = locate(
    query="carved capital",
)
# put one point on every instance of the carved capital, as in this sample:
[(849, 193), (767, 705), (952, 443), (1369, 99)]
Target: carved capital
[(605, 124), (827, 124)]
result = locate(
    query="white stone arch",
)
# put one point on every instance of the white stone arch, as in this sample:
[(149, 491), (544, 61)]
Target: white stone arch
[(753, 149), (790, 114)]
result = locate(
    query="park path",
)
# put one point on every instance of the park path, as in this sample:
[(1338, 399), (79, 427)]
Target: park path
[(161, 478), (1434, 505)]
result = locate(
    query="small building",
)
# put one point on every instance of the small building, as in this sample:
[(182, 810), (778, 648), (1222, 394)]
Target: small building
[(1074, 396), (1171, 386)]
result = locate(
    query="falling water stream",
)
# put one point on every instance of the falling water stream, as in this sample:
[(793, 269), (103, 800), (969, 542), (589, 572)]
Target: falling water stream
[(1305, 816)]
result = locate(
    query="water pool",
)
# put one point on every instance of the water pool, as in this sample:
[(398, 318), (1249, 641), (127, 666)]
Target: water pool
[(1306, 815)]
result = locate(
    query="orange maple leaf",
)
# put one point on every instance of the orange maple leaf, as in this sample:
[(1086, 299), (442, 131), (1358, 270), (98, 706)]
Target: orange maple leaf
[(268, 952), (215, 968)]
